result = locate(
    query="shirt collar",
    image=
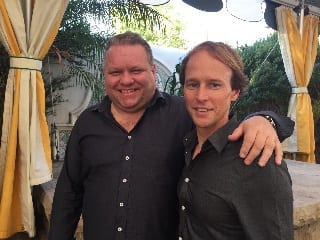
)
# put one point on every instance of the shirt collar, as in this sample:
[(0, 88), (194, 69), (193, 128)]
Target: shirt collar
[(218, 140)]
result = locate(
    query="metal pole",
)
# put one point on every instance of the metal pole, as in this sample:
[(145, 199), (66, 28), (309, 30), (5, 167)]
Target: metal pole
[(301, 17)]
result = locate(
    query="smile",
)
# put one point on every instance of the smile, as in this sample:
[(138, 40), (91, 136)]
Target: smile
[(127, 91), (202, 109)]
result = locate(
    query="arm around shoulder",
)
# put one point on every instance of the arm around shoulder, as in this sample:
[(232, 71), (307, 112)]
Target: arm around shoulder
[(284, 125)]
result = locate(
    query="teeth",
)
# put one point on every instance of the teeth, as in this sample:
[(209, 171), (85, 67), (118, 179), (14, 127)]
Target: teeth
[(127, 91), (202, 109)]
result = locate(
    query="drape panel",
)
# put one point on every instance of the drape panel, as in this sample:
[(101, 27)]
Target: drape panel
[(299, 53), (25, 157)]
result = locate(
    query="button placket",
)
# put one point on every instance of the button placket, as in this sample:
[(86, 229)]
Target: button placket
[(124, 187)]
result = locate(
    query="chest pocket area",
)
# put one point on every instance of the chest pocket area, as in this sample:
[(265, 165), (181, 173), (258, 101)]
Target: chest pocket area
[(153, 162)]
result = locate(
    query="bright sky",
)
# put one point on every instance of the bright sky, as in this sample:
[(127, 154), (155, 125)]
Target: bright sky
[(221, 26)]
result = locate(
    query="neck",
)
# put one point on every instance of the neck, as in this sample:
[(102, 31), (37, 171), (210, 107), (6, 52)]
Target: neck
[(127, 120), (203, 134)]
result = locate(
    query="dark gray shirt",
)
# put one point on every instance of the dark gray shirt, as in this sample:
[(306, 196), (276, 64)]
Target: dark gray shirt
[(223, 199)]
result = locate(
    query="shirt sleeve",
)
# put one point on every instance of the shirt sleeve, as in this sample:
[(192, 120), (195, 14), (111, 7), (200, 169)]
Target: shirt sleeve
[(264, 202), (67, 201), (284, 125)]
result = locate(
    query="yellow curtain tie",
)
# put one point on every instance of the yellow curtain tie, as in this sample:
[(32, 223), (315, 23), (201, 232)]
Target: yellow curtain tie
[(25, 63), (296, 90)]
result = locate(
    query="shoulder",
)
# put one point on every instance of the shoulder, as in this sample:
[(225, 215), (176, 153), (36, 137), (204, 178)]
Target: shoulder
[(173, 99), (91, 115), (269, 179), (171, 103)]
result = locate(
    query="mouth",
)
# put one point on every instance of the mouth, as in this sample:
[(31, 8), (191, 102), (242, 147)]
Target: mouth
[(127, 91), (201, 109)]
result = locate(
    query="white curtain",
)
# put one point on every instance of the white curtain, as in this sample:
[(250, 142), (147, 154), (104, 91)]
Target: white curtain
[(299, 49), (27, 30)]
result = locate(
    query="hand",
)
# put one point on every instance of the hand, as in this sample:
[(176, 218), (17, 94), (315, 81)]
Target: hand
[(258, 137)]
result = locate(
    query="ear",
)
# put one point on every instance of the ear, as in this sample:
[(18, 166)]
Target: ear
[(154, 71), (235, 94)]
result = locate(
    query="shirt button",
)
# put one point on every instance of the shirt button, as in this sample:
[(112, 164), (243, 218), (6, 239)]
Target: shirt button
[(124, 180), (127, 158), (129, 137), (119, 229), (183, 208), (121, 204), (186, 180)]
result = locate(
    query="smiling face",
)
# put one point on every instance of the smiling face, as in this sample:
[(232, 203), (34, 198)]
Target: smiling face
[(130, 78), (208, 93)]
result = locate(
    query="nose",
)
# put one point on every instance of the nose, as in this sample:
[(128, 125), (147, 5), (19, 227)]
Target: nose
[(202, 94), (126, 78)]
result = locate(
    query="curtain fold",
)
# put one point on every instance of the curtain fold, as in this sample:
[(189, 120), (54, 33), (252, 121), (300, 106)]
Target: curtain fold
[(299, 53), (25, 154)]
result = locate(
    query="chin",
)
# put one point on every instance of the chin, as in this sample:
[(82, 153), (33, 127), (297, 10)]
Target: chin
[(201, 124)]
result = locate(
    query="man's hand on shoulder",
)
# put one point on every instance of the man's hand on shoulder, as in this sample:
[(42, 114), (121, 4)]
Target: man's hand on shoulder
[(259, 137)]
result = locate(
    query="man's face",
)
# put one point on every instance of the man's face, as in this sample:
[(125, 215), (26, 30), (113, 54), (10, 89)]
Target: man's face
[(130, 79), (208, 92)]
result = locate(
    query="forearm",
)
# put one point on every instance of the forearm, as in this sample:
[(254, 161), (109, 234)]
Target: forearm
[(284, 125)]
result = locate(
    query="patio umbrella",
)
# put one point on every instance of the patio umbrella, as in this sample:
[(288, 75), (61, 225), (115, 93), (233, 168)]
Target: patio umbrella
[(203, 5), (299, 49), (27, 30)]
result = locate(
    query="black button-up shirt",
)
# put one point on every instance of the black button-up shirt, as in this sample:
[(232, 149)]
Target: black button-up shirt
[(222, 199), (123, 183)]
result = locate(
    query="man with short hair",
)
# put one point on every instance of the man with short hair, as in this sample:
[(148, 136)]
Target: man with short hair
[(220, 197)]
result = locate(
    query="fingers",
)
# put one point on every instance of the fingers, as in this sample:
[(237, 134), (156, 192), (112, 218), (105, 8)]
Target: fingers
[(237, 133), (257, 146), (260, 140), (249, 145), (278, 152), (267, 151)]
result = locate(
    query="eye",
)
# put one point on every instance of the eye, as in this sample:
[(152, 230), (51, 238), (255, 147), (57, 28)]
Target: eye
[(191, 85), (136, 71), (114, 73), (213, 85)]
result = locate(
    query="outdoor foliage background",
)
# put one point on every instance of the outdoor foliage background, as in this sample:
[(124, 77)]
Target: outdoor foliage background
[(80, 47)]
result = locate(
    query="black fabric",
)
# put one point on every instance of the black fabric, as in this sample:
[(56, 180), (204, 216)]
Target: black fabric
[(120, 179), (205, 5), (101, 154), (221, 198)]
